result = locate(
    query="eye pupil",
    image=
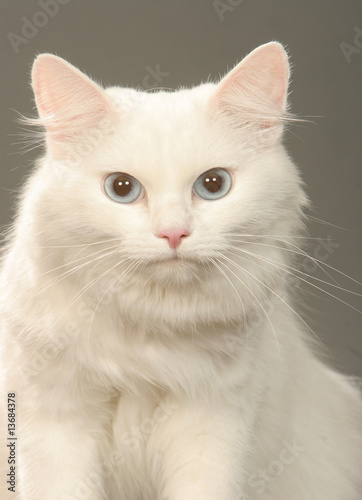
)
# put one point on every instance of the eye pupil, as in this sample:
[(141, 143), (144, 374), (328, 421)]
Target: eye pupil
[(213, 182), (122, 186)]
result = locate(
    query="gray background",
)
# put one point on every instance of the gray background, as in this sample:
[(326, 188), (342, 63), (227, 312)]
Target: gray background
[(191, 40)]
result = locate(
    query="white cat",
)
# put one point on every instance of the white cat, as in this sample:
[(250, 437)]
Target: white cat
[(147, 326)]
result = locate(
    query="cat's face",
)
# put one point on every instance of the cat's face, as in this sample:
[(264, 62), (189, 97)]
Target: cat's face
[(169, 181)]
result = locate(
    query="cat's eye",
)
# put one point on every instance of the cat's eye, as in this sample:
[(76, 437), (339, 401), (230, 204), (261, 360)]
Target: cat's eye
[(122, 188), (213, 184)]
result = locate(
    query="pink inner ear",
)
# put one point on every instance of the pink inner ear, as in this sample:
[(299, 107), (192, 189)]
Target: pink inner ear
[(261, 78), (42, 107), (68, 101)]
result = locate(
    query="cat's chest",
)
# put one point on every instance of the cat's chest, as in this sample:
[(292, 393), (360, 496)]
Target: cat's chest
[(131, 357)]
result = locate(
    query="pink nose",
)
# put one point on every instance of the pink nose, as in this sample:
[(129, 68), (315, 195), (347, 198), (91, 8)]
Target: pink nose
[(174, 236)]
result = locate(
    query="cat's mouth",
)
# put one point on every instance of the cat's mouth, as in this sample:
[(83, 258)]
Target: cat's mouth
[(175, 269), (175, 260)]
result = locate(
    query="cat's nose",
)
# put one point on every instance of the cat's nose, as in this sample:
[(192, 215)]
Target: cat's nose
[(174, 236)]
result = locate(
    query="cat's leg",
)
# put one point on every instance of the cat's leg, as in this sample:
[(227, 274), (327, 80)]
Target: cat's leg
[(62, 422), (59, 459), (202, 454)]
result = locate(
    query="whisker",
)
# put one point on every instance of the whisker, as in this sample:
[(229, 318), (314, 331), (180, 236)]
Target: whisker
[(77, 260), (318, 262), (281, 299), (271, 236), (133, 266), (299, 251), (258, 301), (227, 278), (329, 223), (64, 275), (274, 263), (227, 247), (86, 287), (311, 284), (84, 245)]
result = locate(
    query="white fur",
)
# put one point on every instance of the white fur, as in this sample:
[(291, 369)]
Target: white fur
[(138, 377)]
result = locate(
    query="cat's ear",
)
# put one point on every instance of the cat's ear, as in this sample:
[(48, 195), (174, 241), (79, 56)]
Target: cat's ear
[(69, 103), (254, 93)]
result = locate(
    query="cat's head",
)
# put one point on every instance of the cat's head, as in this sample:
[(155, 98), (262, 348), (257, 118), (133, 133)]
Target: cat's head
[(173, 183)]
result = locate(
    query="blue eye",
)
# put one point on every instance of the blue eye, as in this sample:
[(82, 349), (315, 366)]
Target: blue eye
[(122, 188), (213, 184)]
